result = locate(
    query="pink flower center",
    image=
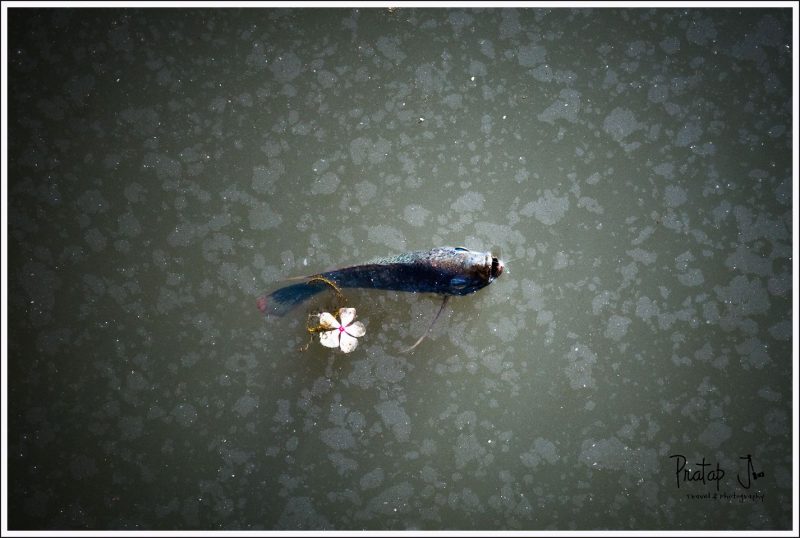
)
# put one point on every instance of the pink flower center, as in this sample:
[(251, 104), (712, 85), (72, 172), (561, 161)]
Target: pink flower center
[(341, 328)]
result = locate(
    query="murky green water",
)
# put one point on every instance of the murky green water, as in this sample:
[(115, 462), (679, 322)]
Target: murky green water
[(633, 167)]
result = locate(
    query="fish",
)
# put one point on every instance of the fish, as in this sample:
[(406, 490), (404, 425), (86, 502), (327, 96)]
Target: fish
[(445, 271)]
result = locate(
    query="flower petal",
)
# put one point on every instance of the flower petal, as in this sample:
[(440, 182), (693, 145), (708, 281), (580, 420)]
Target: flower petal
[(327, 321), (356, 329), (346, 315), (329, 338), (348, 343)]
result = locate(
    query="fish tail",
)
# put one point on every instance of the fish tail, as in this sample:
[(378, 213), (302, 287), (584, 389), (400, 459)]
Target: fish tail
[(282, 300)]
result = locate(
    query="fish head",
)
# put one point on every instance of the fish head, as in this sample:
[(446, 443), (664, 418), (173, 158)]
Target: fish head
[(473, 270)]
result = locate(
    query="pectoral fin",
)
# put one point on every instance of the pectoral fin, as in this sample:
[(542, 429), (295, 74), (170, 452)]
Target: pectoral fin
[(421, 338), (458, 283)]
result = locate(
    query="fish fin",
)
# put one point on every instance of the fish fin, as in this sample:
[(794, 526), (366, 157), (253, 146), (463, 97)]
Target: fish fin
[(418, 342), (436, 317), (458, 283), (296, 278), (282, 300), (299, 278)]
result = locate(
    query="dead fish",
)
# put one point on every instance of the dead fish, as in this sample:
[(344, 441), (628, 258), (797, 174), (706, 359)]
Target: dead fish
[(445, 271)]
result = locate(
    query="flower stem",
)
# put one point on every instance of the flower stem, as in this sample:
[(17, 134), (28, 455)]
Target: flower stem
[(336, 289)]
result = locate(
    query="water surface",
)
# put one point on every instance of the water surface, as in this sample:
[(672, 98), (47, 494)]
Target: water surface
[(167, 166)]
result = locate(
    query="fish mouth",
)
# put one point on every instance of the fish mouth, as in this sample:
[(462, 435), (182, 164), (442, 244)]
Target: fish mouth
[(497, 268)]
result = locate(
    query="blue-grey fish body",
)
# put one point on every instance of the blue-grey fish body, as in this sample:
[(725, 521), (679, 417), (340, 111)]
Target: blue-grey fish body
[(443, 270)]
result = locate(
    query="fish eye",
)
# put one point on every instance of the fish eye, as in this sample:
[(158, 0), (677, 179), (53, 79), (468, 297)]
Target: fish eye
[(461, 249)]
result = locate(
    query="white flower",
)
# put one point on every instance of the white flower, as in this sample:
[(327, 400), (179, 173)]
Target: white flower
[(342, 334)]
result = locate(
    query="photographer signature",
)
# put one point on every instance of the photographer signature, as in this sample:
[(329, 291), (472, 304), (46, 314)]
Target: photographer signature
[(715, 474)]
